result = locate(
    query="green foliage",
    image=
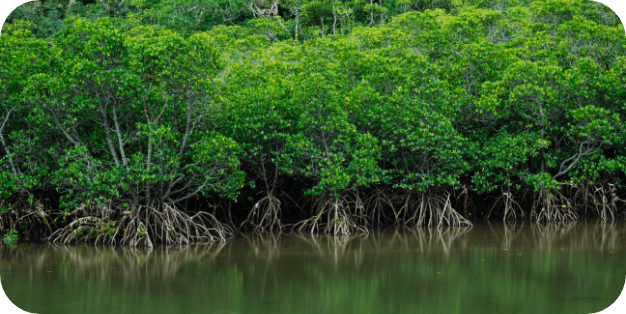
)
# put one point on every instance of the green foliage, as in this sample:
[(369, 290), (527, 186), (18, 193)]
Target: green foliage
[(10, 237), (109, 229), (142, 232), (150, 127), (155, 102), (23, 167)]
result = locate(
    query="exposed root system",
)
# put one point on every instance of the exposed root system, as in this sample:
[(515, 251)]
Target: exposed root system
[(600, 199), (431, 210), (467, 200), (143, 227), (30, 217), (511, 208), (376, 205), (552, 206), (604, 200), (359, 207), (265, 215), (339, 213), (332, 215)]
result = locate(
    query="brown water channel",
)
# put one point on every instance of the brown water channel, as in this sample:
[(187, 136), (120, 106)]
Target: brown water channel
[(490, 268)]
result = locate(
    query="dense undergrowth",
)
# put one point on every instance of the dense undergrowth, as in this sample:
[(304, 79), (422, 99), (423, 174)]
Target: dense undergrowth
[(133, 131)]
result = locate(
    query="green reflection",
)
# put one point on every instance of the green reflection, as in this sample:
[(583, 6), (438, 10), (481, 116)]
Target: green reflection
[(491, 268)]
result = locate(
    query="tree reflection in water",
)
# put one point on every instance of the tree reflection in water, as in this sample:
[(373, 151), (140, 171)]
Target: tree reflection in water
[(315, 273)]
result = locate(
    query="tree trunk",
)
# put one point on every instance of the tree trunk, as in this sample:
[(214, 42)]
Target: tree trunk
[(68, 10), (371, 13), (334, 19), (297, 22)]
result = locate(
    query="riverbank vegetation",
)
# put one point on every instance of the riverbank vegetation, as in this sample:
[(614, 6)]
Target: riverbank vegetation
[(177, 122)]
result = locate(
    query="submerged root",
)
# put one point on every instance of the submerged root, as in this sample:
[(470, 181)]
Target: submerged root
[(337, 248), (332, 216), (103, 263), (265, 215), (605, 235), (430, 239), (266, 246), (511, 231), (547, 236)]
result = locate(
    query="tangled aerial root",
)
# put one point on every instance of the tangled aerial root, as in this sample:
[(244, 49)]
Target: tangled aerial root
[(265, 215), (600, 199), (467, 200), (376, 204), (88, 220), (170, 226), (143, 226), (554, 207), (358, 207), (431, 210), (510, 206), (604, 200), (338, 218), (31, 216)]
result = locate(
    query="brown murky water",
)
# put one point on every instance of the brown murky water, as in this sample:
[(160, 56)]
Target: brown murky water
[(490, 268)]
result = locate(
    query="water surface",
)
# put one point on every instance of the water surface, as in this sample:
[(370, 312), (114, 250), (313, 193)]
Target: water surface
[(490, 268)]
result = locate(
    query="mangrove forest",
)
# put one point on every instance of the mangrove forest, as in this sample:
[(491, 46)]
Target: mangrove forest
[(170, 122)]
